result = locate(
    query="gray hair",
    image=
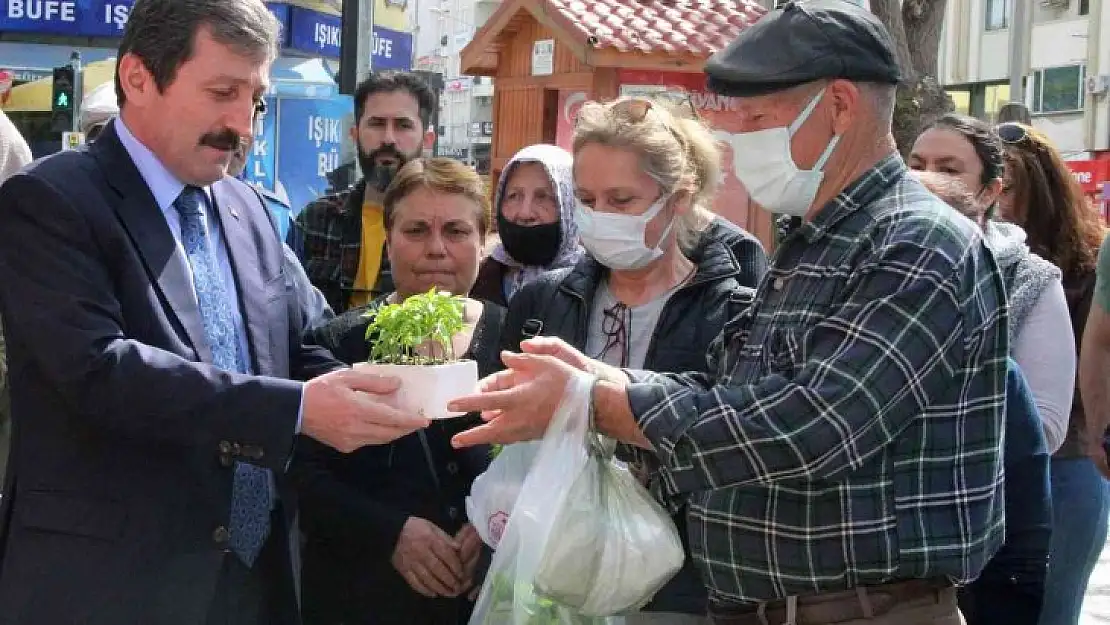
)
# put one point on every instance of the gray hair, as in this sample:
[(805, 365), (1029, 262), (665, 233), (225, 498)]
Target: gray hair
[(162, 33), (881, 98)]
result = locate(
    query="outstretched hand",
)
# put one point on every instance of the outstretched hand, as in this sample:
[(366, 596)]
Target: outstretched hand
[(518, 403), (558, 348)]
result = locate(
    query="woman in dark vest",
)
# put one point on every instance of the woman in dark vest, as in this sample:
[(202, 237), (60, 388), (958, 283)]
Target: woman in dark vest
[(387, 541)]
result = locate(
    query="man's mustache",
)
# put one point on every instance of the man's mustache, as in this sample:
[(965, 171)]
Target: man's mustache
[(226, 140), (386, 150)]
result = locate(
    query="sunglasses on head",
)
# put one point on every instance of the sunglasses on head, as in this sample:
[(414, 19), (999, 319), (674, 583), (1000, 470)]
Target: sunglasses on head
[(636, 109), (1011, 133)]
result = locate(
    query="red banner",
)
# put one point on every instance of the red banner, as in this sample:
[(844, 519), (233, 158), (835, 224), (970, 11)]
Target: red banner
[(1089, 174), (570, 101)]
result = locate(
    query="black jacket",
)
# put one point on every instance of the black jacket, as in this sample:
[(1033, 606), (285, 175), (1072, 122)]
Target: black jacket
[(353, 506), (745, 248), (558, 304)]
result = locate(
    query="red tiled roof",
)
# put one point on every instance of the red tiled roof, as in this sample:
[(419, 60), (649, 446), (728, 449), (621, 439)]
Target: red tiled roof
[(698, 27)]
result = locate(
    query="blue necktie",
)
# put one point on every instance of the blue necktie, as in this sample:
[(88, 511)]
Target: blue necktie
[(250, 493)]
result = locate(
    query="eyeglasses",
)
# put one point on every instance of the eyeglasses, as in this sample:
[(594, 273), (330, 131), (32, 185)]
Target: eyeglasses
[(614, 325), (1011, 133)]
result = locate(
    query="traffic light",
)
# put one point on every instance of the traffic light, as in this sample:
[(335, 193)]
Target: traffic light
[(62, 105)]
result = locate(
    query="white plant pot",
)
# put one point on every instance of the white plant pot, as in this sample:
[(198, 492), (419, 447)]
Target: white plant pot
[(426, 389)]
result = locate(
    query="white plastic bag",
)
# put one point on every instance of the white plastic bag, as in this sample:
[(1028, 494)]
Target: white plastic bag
[(584, 541), (617, 547), (494, 493)]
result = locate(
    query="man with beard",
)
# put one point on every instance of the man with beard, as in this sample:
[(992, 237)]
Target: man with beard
[(340, 238)]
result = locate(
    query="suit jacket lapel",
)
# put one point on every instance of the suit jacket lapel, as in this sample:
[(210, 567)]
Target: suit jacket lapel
[(150, 234), (243, 252)]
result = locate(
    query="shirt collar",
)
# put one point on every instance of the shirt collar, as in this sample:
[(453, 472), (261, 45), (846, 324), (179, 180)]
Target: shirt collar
[(867, 188), (163, 185)]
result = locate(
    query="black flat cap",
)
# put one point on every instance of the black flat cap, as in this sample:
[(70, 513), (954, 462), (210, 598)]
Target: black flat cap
[(801, 42)]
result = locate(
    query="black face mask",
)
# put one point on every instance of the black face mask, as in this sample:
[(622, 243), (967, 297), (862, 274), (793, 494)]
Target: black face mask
[(530, 245)]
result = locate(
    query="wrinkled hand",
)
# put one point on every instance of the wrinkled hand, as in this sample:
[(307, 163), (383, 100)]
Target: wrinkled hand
[(349, 409), (470, 552), (557, 347), (517, 403), (428, 559)]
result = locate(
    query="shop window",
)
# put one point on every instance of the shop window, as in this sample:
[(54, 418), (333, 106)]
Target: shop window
[(997, 14), (995, 96), (961, 101), (1058, 89)]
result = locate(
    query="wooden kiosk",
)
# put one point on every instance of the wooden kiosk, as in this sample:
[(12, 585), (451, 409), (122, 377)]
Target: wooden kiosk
[(550, 56)]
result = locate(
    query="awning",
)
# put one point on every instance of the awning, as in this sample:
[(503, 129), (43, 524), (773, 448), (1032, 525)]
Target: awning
[(301, 77), (36, 95), (291, 76), (33, 59), (42, 57)]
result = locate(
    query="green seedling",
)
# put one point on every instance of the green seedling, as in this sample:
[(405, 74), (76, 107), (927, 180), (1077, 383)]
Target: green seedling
[(417, 331)]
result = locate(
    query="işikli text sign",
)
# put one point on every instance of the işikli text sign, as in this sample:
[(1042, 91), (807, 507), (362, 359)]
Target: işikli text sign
[(313, 32), (310, 136), (104, 18), (93, 18), (391, 49), (260, 161)]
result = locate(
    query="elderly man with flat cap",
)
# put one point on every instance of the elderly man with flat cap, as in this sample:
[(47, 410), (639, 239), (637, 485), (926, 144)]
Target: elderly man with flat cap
[(843, 465)]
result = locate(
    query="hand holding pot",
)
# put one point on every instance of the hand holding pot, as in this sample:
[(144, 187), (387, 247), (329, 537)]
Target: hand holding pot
[(349, 409), (429, 560)]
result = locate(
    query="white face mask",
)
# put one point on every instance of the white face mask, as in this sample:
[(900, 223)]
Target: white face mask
[(617, 241), (763, 164)]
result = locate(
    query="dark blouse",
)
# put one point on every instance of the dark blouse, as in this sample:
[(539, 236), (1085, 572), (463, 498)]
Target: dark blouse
[(353, 506)]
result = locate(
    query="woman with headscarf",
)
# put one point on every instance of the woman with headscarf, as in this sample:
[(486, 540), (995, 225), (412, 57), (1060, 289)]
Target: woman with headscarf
[(534, 208)]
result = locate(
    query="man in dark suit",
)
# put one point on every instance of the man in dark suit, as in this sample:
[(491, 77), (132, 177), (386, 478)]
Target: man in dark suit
[(150, 337)]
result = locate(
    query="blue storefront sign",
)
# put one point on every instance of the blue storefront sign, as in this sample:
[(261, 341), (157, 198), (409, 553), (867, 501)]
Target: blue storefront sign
[(107, 18), (263, 156), (309, 138), (314, 32), (85, 18), (391, 50), (281, 12)]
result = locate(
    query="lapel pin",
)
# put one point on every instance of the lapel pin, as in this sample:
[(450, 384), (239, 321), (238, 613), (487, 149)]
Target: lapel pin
[(235, 213)]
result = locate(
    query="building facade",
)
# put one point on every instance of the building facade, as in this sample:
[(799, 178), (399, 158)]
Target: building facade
[(1063, 56), (441, 30), (1062, 47)]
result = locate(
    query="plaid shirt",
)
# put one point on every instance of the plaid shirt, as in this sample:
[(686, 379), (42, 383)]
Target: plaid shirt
[(327, 237), (852, 433)]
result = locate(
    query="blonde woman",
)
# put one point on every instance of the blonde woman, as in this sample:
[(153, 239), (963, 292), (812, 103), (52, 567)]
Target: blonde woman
[(656, 260)]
